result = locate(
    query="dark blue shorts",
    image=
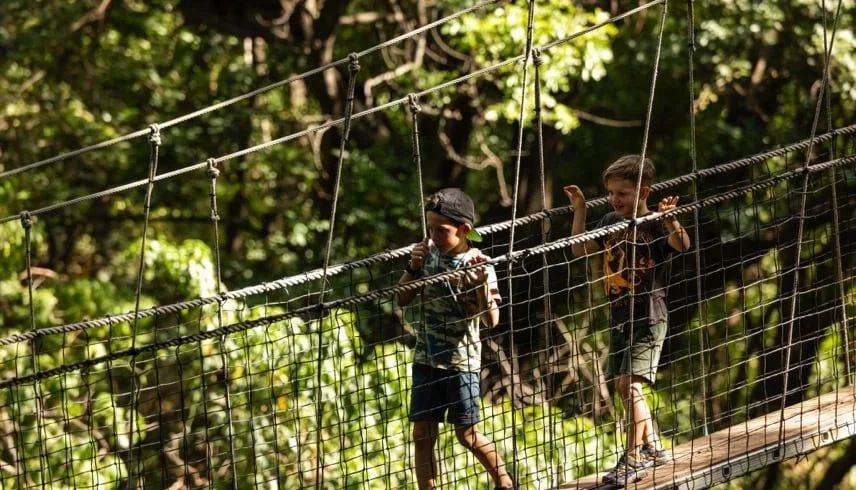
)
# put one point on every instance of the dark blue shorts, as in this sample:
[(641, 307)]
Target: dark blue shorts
[(441, 393)]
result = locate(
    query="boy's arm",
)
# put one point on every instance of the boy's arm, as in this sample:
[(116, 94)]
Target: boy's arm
[(578, 226), (679, 239), (488, 305), (405, 297), (486, 289), (417, 261), (488, 297)]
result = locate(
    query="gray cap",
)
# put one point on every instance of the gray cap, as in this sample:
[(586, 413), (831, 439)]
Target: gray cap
[(456, 205)]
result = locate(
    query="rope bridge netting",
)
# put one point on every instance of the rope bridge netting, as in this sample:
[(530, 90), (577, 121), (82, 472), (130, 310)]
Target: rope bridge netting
[(305, 382)]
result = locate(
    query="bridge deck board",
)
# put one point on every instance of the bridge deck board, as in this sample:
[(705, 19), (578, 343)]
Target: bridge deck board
[(747, 446)]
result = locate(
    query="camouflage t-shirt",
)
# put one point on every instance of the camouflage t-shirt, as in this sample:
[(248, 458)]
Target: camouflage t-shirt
[(449, 337)]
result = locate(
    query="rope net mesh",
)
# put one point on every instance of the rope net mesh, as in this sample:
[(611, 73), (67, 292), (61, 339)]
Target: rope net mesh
[(306, 382), (275, 388)]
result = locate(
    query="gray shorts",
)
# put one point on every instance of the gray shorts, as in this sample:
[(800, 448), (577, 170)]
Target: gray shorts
[(640, 357)]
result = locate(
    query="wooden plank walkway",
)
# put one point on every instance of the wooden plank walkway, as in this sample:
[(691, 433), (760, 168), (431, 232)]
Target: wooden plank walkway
[(746, 447)]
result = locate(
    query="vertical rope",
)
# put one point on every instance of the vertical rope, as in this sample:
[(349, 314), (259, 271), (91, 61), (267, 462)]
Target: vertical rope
[(27, 224), (182, 410), (154, 142), (272, 399), (645, 133), (84, 376), (353, 69), (510, 279), (800, 231), (213, 172), (111, 380), (251, 425), (209, 463), (836, 235), (68, 440), (160, 418), (696, 221), (553, 472), (415, 110)]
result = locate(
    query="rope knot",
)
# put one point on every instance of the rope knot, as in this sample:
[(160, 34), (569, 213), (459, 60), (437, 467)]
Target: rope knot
[(26, 220), (414, 103), (213, 171), (536, 57), (520, 256), (154, 134), (353, 63)]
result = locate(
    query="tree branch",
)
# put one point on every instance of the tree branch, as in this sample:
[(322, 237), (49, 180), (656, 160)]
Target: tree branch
[(94, 15), (605, 121)]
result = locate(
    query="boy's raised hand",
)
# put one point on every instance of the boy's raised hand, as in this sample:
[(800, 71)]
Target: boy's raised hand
[(575, 195), (417, 255), (478, 275), (667, 204)]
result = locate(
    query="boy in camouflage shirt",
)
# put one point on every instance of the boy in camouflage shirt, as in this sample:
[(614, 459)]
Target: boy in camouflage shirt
[(447, 359)]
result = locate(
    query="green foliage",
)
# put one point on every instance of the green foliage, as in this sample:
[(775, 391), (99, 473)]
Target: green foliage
[(72, 78), (502, 34), (179, 271)]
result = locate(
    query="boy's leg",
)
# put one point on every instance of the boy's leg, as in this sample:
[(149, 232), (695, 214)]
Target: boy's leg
[(651, 436), (639, 366), (464, 394), (630, 467), (484, 451), (427, 406), (629, 388), (425, 436), (617, 368)]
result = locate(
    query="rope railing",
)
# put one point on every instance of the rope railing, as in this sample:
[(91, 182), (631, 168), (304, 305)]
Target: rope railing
[(312, 425), (335, 123), (417, 284), (389, 255), (248, 95)]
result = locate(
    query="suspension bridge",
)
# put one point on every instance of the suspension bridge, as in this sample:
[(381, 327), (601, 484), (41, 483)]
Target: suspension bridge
[(303, 382)]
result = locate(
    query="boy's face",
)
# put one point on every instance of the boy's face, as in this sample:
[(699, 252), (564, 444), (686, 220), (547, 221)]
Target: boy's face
[(449, 237), (621, 193)]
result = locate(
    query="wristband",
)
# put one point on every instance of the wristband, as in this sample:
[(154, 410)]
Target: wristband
[(411, 270)]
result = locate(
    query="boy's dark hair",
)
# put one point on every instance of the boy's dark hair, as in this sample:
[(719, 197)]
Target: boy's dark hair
[(627, 168)]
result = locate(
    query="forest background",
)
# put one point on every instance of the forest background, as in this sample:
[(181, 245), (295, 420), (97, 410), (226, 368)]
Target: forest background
[(76, 73)]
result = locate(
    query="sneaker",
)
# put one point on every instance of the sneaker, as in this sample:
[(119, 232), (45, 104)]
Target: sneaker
[(628, 470), (654, 457)]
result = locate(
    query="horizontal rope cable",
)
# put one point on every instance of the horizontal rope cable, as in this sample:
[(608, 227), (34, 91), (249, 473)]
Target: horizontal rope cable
[(389, 255), (329, 124), (245, 96), (435, 279)]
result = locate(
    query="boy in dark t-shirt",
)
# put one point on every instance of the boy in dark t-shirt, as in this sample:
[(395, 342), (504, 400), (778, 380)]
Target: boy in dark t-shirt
[(636, 275)]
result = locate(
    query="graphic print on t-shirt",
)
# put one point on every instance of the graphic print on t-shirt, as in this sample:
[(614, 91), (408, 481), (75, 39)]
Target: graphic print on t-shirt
[(620, 277), (646, 282)]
